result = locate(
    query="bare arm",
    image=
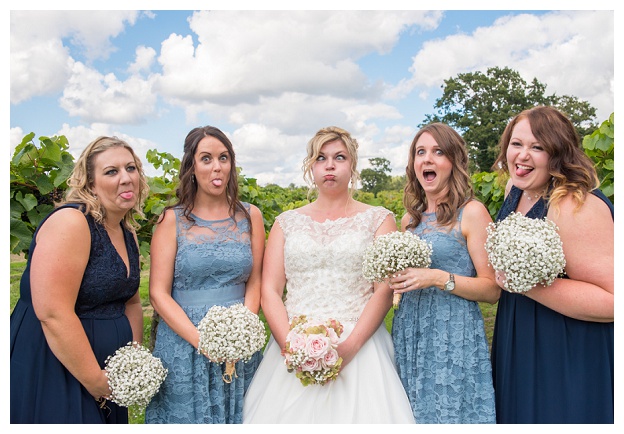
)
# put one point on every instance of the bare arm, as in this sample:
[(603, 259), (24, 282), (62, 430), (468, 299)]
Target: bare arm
[(587, 236), (252, 288), (163, 252), (483, 287), (374, 312), (57, 267)]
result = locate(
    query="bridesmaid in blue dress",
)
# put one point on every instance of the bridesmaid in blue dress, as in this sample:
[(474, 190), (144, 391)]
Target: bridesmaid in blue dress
[(206, 250), (441, 350), (552, 353), (79, 299)]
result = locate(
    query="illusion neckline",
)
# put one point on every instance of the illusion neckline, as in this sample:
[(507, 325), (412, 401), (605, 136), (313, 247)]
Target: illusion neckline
[(339, 219)]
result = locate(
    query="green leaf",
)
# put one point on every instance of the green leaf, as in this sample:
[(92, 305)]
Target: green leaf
[(28, 201), (44, 184)]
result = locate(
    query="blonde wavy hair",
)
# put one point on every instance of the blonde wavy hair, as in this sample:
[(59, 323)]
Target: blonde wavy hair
[(80, 182), (571, 170), (326, 135)]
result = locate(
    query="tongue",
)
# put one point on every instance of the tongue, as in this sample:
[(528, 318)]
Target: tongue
[(127, 195), (522, 172), (217, 182), (430, 176)]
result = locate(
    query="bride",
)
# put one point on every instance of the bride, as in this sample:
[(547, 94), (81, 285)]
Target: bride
[(314, 254)]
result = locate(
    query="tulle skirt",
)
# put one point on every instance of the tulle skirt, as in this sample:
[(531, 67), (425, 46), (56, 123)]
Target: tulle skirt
[(367, 390)]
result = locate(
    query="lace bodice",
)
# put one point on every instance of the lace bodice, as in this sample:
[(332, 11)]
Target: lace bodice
[(213, 262), (323, 263)]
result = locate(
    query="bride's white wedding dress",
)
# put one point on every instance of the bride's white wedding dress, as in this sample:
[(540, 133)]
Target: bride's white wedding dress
[(323, 265)]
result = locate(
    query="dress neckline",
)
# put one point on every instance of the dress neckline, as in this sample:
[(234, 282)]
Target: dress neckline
[(339, 219)]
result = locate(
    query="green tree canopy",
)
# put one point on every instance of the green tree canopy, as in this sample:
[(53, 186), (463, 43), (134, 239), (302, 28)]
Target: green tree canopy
[(376, 178), (480, 105)]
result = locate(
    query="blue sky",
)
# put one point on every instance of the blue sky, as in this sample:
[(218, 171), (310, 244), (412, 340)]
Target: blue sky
[(270, 79)]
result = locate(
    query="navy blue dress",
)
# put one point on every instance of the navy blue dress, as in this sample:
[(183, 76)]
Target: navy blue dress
[(42, 389), (547, 367)]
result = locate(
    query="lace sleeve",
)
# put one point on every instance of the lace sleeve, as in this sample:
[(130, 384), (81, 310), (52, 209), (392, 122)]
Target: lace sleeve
[(379, 215)]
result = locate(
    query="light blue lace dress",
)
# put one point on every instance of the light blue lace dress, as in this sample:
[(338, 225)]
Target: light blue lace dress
[(213, 263), (441, 350)]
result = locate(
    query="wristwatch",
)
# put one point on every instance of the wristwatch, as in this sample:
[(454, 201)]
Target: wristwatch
[(450, 284)]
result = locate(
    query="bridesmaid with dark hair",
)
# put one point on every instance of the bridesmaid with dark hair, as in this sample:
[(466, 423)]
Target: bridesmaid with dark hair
[(206, 250)]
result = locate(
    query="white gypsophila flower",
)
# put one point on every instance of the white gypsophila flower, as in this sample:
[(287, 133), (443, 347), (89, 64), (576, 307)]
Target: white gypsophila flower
[(229, 334), (134, 375), (394, 252), (528, 251)]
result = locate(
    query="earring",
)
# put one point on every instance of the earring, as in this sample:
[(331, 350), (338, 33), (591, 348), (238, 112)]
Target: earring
[(193, 178)]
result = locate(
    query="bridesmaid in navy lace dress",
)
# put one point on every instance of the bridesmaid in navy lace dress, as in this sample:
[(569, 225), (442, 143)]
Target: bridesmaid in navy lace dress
[(552, 352), (441, 350), (207, 250), (79, 299)]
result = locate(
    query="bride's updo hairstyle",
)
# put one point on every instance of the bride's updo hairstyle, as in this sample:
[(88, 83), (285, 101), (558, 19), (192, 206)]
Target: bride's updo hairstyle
[(326, 135)]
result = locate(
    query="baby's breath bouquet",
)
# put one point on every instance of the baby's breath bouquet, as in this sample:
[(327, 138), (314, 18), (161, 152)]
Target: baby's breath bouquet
[(394, 252), (528, 251), (134, 375), (310, 350), (230, 334)]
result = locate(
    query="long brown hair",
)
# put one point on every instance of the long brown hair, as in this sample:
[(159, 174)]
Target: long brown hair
[(571, 170), (460, 189), (80, 182), (187, 188)]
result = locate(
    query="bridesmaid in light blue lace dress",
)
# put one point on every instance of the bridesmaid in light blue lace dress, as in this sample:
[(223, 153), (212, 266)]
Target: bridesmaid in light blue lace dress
[(441, 350), (206, 251)]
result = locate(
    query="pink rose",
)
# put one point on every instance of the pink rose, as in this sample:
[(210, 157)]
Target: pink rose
[(311, 365), (330, 358), (297, 341), (317, 346), (333, 337)]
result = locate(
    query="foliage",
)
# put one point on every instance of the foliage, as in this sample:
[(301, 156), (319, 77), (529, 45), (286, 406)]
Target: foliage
[(376, 178), (38, 178), (490, 190), (479, 105), (599, 146), (39, 173)]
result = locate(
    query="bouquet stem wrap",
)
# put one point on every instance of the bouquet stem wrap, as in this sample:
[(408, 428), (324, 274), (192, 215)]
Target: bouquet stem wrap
[(230, 372)]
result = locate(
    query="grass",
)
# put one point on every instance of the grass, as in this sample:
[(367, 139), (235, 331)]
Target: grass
[(137, 415)]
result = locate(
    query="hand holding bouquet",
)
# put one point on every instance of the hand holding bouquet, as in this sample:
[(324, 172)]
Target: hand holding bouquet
[(310, 350), (134, 375), (394, 252), (527, 251), (229, 334)]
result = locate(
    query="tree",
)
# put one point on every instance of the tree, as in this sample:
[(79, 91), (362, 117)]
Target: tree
[(480, 105), (376, 178)]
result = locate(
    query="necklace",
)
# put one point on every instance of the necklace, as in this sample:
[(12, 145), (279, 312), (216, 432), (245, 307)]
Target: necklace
[(529, 197)]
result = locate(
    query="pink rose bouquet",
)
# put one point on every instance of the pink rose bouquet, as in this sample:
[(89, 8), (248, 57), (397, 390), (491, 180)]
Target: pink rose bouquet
[(310, 350)]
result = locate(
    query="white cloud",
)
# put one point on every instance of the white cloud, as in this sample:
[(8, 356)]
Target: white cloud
[(145, 58), (569, 51), (103, 98), (40, 62), (242, 54)]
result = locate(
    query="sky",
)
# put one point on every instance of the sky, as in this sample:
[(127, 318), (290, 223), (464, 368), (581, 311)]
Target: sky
[(271, 78)]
